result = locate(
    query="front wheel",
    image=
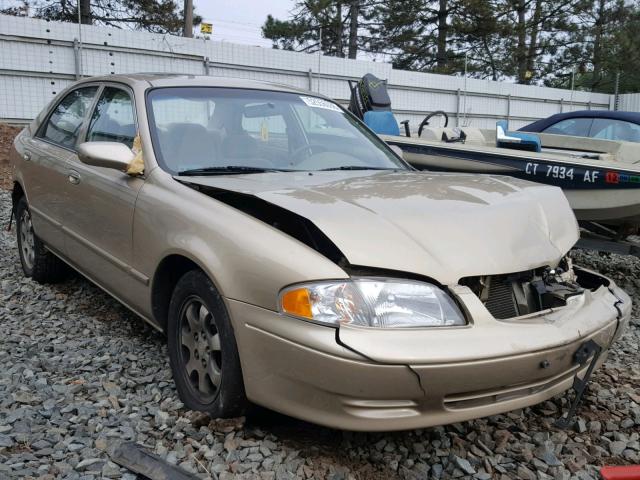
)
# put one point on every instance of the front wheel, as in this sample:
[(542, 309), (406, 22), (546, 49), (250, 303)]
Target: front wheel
[(37, 262), (202, 349)]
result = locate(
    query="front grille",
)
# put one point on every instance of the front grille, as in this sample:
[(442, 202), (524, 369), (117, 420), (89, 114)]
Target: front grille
[(501, 301), (517, 294)]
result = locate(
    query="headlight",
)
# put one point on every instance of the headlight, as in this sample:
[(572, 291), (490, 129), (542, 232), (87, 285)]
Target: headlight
[(372, 302)]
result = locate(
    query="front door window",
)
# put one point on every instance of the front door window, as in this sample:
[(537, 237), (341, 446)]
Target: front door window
[(113, 119)]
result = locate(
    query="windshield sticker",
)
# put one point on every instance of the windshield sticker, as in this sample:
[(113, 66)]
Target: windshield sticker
[(316, 102)]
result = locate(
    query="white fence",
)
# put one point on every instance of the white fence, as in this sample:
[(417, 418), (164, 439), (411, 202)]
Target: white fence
[(629, 102), (39, 58)]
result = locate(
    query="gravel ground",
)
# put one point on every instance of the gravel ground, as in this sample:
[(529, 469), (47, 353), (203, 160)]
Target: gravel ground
[(80, 374)]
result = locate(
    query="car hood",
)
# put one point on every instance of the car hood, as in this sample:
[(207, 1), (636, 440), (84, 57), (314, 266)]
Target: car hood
[(442, 226)]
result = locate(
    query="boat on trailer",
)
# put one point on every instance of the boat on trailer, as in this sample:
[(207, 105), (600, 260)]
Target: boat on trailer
[(600, 178)]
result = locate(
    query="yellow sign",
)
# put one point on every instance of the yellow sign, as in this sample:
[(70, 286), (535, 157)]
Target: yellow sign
[(206, 28)]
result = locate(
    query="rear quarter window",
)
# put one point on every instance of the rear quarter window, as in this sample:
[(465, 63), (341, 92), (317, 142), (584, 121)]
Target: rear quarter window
[(612, 129), (578, 127)]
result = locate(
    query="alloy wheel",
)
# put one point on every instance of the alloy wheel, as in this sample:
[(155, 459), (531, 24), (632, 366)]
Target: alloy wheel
[(200, 347), (27, 240)]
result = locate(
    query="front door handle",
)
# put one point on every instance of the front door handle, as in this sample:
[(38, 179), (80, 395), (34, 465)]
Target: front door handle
[(74, 177)]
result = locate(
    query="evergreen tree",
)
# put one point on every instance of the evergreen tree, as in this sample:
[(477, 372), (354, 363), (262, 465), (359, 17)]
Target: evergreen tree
[(601, 43), (481, 39), (418, 35), (158, 16), (331, 26)]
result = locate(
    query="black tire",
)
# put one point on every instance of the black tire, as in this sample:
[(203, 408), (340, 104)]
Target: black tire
[(37, 262), (221, 393)]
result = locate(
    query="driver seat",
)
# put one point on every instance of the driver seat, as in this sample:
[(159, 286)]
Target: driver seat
[(239, 145), (382, 122)]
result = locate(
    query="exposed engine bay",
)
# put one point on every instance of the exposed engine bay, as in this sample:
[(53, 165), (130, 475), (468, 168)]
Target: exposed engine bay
[(522, 293)]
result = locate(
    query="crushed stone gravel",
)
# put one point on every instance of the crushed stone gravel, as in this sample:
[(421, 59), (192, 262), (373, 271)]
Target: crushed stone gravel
[(79, 374)]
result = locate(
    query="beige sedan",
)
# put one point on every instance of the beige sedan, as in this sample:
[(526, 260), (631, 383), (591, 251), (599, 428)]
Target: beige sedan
[(295, 261)]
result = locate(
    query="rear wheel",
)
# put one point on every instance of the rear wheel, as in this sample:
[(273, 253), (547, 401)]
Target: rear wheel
[(37, 262), (202, 349)]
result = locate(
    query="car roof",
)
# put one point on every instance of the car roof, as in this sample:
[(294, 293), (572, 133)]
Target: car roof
[(539, 125), (616, 115), (151, 80)]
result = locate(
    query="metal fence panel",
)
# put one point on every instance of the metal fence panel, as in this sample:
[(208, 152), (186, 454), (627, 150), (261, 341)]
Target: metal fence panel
[(630, 102), (39, 58)]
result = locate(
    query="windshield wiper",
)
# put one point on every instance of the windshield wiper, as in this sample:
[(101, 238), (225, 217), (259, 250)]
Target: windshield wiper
[(355, 167), (227, 169)]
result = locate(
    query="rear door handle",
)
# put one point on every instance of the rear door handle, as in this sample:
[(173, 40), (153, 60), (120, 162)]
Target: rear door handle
[(27, 156), (74, 177)]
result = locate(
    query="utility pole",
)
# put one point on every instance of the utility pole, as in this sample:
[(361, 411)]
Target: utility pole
[(188, 19), (616, 97), (464, 103), (84, 14), (79, 52), (319, 56), (573, 83)]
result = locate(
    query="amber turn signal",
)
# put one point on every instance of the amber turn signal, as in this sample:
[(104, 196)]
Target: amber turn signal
[(297, 302)]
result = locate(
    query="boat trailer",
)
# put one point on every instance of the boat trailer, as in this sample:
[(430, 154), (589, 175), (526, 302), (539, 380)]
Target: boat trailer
[(600, 238)]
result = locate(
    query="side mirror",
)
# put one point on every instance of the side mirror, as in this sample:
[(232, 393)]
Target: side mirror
[(106, 154)]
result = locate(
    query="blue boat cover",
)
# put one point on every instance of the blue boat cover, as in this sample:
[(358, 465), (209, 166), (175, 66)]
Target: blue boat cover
[(518, 140), (382, 122)]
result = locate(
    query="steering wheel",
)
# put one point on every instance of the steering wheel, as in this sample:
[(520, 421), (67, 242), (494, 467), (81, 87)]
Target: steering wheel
[(425, 122), (310, 147)]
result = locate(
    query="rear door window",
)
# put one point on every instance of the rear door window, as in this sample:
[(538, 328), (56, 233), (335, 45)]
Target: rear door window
[(113, 119), (578, 127), (65, 121)]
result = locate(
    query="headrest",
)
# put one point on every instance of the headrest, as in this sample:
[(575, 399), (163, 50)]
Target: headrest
[(377, 91)]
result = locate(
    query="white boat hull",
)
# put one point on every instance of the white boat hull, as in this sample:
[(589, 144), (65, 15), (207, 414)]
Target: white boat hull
[(598, 187)]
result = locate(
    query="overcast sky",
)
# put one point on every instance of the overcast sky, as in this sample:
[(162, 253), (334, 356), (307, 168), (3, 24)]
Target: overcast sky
[(239, 21)]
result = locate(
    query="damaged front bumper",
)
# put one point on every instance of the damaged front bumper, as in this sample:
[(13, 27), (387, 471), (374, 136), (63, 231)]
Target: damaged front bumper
[(372, 379)]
